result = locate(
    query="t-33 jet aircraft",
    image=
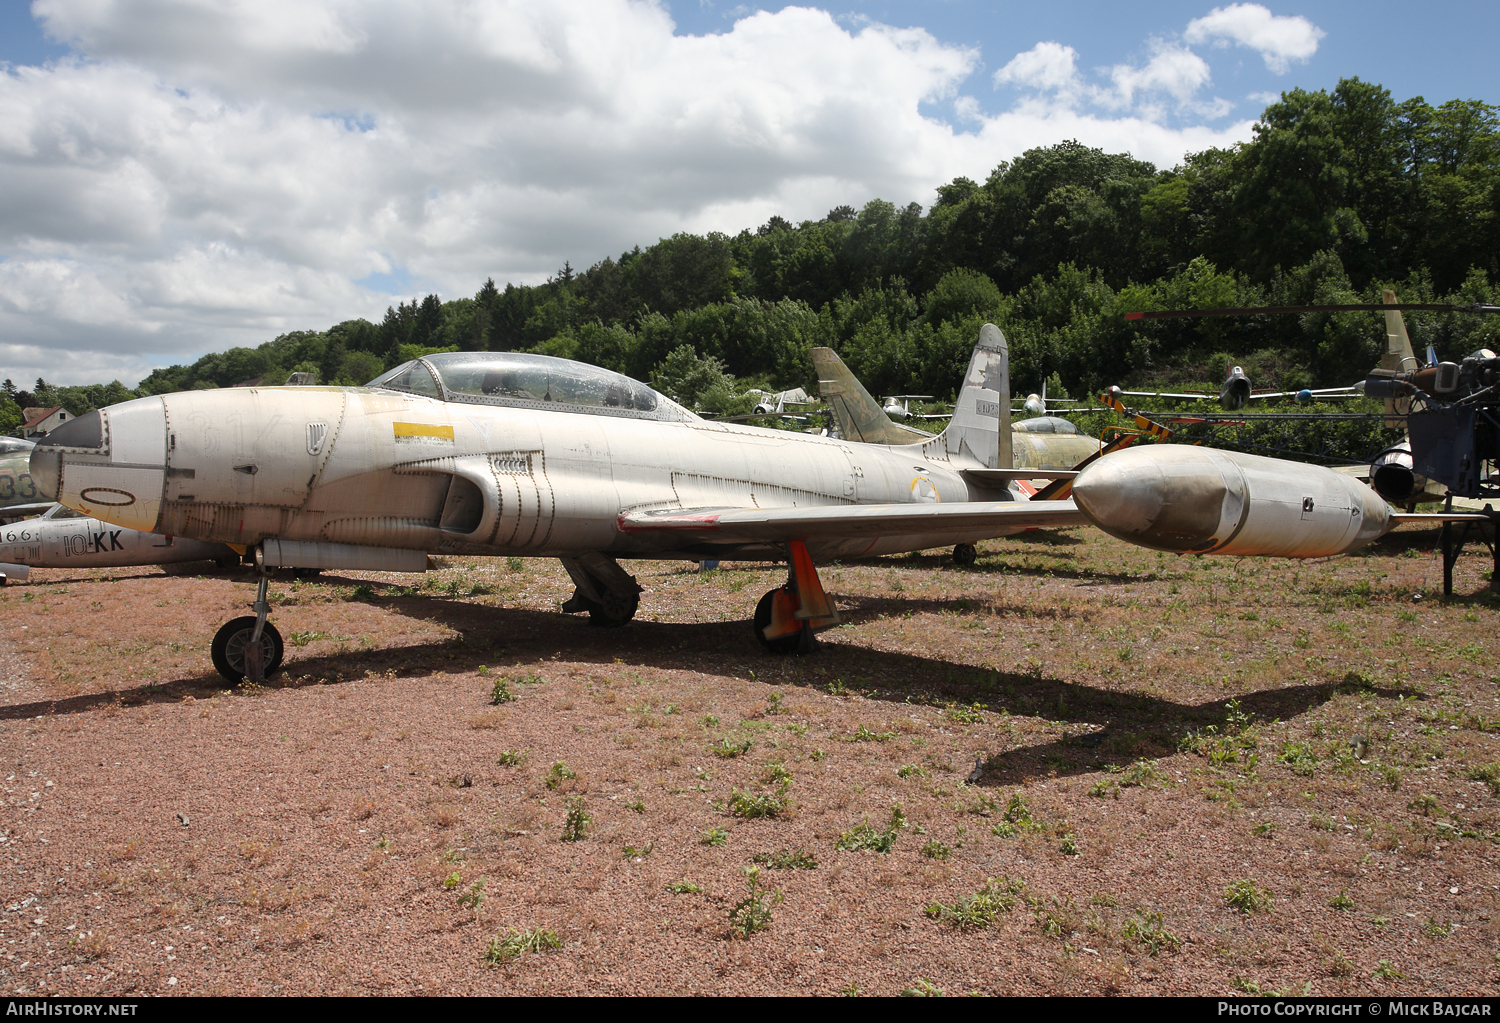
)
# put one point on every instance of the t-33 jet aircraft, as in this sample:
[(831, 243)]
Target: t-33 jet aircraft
[(518, 454)]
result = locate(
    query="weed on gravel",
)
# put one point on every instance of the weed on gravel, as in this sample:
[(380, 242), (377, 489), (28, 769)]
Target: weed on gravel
[(787, 859), (575, 827), (776, 804), (980, 910), (513, 944), (1247, 897), (753, 912)]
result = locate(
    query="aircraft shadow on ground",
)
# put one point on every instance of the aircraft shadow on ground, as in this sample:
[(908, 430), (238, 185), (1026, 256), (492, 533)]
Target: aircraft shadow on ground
[(860, 609), (1125, 726), (124, 573)]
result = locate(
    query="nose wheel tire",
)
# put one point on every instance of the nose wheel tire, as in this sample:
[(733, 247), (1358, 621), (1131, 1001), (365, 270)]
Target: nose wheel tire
[(965, 554), (229, 648)]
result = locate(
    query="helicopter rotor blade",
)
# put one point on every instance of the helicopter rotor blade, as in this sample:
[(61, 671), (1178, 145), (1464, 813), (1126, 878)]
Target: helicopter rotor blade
[(1179, 314)]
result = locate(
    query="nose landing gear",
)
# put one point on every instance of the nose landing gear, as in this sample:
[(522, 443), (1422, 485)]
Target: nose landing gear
[(249, 649)]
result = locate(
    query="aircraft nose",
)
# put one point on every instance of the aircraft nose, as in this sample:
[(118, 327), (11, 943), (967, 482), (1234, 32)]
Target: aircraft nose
[(110, 463), (1151, 498), (82, 434)]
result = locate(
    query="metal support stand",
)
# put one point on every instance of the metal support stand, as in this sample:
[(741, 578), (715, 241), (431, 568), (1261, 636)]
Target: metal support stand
[(1453, 546), (1450, 554)]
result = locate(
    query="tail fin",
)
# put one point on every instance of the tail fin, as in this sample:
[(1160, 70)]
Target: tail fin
[(855, 411), (1398, 351), (1398, 356), (980, 428)]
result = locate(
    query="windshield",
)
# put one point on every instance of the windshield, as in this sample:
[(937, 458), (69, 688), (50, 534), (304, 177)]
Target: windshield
[(9, 444), (538, 381), (409, 376), (1044, 424)]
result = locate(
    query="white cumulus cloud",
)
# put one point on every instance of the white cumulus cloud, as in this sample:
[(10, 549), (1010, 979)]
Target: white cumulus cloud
[(1175, 70), (1046, 66), (1279, 39), (207, 173)]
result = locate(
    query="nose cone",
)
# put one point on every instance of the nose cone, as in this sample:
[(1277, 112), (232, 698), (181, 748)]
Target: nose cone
[(109, 464), (1236, 393), (84, 436), (1164, 497)]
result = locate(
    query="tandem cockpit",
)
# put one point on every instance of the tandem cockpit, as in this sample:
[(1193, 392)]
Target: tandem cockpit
[(524, 380)]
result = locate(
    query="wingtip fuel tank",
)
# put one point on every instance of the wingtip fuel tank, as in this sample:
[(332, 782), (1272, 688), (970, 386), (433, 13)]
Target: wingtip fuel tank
[(1192, 500)]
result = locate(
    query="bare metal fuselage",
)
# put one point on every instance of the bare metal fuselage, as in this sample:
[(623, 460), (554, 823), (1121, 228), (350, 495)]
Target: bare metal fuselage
[(89, 543), (386, 469)]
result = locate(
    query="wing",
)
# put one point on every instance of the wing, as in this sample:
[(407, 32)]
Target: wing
[(1320, 394), (1171, 394), (769, 525), (14, 512)]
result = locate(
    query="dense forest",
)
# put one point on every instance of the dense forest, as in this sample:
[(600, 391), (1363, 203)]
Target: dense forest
[(1338, 194)]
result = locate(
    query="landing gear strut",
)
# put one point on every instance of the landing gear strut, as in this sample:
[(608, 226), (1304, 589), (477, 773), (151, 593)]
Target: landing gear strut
[(601, 587), (249, 649), (786, 618)]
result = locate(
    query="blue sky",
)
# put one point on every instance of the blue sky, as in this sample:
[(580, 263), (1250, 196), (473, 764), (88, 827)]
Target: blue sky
[(1441, 51), (181, 176)]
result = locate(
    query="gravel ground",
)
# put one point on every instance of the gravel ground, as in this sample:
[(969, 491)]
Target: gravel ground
[(1076, 768)]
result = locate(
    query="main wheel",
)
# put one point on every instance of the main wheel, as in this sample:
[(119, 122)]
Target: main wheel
[(616, 610), (764, 611), (229, 648), (965, 554)]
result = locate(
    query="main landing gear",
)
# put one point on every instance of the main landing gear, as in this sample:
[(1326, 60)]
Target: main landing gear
[(601, 587), (786, 618), (249, 649), (965, 554)]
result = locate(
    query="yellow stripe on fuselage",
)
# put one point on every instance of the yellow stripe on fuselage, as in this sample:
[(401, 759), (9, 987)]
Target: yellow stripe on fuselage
[(407, 431)]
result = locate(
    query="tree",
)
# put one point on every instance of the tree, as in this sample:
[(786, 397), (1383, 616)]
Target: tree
[(685, 377)]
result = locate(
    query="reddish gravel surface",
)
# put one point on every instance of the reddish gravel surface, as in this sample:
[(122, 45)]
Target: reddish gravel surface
[(1332, 830)]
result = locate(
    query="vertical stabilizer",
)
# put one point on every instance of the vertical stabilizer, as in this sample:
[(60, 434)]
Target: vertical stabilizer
[(855, 411), (1398, 356), (1398, 351), (980, 429)]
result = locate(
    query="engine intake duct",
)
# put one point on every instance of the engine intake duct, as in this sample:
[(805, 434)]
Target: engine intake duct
[(305, 554)]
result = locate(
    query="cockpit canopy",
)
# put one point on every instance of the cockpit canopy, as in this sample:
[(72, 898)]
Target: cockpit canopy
[(1044, 424), (530, 381), (10, 445)]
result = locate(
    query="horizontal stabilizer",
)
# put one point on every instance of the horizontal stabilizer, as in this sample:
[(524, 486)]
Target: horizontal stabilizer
[(1006, 475)]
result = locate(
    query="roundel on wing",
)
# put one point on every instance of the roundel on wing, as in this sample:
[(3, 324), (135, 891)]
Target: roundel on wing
[(108, 496), (923, 491)]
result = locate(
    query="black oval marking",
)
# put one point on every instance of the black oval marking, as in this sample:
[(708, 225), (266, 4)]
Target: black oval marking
[(110, 501)]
